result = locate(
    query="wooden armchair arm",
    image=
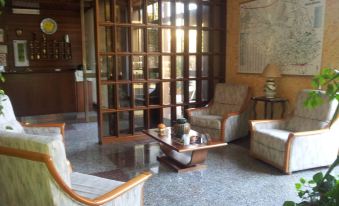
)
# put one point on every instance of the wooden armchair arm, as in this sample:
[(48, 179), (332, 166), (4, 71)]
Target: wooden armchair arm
[(190, 110), (60, 125), (254, 123), (307, 133)]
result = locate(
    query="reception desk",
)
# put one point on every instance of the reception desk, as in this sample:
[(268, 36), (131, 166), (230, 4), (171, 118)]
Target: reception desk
[(43, 92)]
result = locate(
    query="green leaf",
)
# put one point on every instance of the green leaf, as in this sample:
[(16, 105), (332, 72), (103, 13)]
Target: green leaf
[(302, 180), (2, 3), (318, 177), (297, 186), (311, 182), (9, 128), (301, 193), (289, 203)]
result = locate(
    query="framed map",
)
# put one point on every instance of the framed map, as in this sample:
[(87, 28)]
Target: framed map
[(288, 33)]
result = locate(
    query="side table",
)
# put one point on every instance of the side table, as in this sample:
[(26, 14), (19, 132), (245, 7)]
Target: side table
[(271, 102)]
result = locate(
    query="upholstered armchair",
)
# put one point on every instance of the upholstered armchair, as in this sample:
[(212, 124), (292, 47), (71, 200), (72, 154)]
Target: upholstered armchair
[(305, 140), (34, 171), (226, 117)]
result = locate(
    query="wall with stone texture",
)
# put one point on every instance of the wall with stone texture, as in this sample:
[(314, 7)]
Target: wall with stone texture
[(288, 85)]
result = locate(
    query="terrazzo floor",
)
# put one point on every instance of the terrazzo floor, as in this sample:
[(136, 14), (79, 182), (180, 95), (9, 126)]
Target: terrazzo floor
[(232, 178)]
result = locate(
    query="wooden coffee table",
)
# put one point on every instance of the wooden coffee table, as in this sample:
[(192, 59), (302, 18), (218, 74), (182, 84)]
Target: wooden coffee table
[(181, 157)]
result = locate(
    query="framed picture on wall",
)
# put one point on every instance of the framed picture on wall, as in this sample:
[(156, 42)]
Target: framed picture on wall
[(20, 53)]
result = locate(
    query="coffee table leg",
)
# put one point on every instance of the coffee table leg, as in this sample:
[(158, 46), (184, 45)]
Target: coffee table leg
[(172, 159)]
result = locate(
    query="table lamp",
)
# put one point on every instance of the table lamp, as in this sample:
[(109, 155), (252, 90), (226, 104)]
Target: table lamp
[(271, 71)]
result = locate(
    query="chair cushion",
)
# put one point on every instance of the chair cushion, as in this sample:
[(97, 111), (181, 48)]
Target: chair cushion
[(8, 121), (11, 126), (273, 138), (323, 112), (208, 121), (43, 130), (228, 98), (50, 145), (300, 124), (91, 186)]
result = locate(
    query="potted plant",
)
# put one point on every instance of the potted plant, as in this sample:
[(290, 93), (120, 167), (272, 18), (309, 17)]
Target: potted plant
[(322, 190)]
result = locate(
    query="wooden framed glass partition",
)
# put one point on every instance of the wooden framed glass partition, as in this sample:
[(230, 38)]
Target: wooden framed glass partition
[(155, 58)]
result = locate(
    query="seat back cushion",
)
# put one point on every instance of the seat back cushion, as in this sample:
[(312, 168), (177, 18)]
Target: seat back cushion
[(228, 98), (50, 145), (307, 119), (8, 121)]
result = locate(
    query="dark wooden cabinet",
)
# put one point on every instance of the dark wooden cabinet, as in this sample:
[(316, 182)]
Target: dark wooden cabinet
[(39, 93)]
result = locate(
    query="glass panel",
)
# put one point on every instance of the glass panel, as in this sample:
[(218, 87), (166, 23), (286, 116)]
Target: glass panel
[(122, 39), (166, 13), (179, 14), (204, 66), (105, 39), (108, 125), (216, 66), (205, 15), (155, 117), (139, 95), (180, 38), (106, 67), (180, 67), (166, 113), (204, 89), (192, 67), (216, 41), (107, 96), (137, 11), (152, 12), (153, 67), (180, 112), (138, 67), (137, 40), (121, 11), (124, 95), (166, 93), (124, 127), (205, 42), (123, 67), (192, 8), (139, 121), (152, 40), (192, 91), (180, 93), (105, 10), (192, 36), (166, 67), (166, 40), (154, 93)]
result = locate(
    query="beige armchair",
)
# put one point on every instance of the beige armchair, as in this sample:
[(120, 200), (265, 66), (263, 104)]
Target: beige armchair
[(226, 117), (306, 140), (34, 171)]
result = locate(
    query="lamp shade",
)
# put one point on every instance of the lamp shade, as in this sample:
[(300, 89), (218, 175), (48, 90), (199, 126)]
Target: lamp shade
[(271, 70)]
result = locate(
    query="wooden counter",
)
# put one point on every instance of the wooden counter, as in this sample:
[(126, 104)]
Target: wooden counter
[(39, 93)]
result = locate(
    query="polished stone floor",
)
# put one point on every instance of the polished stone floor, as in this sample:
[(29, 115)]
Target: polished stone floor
[(232, 176)]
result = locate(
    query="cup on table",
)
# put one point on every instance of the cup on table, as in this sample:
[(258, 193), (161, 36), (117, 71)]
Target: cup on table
[(186, 139)]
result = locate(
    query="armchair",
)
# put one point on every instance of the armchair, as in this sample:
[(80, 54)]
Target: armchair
[(34, 171), (226, 116), (306, 140)]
